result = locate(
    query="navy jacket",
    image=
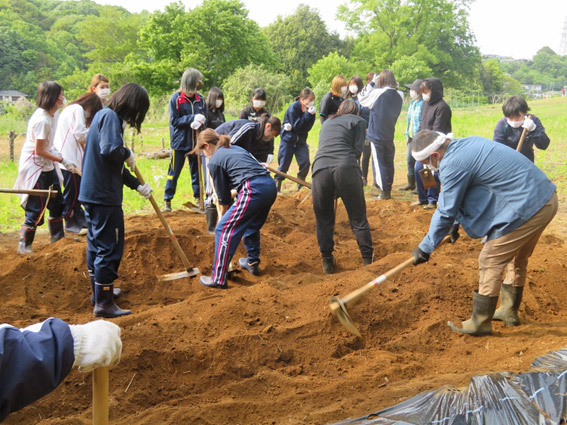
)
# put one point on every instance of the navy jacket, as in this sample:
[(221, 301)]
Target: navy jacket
[(301, 123), (329, 106), (32, 363), (435, 113), (510, 136), (383, 116), (104, 173), (246, 134), (182, 112), (230, 168)]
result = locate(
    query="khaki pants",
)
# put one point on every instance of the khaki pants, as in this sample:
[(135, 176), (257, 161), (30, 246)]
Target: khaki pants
[(512, 251)]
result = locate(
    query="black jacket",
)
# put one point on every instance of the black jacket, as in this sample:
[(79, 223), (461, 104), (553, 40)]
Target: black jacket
[(435, 113)]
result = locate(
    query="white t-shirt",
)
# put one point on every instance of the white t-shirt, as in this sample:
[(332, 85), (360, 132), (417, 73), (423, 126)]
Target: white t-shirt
[(71, 131)]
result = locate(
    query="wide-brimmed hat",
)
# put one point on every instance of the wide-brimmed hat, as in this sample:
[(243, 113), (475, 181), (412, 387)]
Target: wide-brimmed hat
[(414, 85)]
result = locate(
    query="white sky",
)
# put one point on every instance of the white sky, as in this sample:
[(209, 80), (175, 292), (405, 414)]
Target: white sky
[(517, 28)]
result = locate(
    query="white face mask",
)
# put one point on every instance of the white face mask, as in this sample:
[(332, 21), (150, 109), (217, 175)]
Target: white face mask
[(310, 104), (353, 89), (103, 93), (63, 102), (87, 114), (258, 103), (515, 124), (218, 103), (343, 90), (413, 93), (431, 166), (426, 97)]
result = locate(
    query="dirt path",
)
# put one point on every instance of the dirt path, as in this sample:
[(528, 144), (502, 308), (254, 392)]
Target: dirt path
[(268, 350)]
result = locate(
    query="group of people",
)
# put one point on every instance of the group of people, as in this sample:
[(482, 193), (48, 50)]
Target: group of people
[(86, 153)]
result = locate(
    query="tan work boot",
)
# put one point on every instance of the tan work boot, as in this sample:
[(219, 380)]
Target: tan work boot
[(481, 321), (510, 300)]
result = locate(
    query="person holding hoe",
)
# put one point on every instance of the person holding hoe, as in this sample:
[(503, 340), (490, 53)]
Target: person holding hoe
[(496, 193), (234, 169)]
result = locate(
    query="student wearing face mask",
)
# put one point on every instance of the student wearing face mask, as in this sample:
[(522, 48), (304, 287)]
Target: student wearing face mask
[(436, 116), (256, 109), (39, 168), (332, 100), (215, 107), (70, 137), (101, 86), (412, 127), (355, 87), (509, 129), (187, 116), (298, 121)]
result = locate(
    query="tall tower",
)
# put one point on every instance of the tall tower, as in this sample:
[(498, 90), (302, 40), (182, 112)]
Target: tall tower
[(563, 45)]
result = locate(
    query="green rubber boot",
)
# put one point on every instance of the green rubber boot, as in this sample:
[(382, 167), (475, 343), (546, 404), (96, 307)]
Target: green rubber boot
[(510, 300), (481, 321)]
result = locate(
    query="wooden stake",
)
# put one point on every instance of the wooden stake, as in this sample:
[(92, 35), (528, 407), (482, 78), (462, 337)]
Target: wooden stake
[(100, 396)]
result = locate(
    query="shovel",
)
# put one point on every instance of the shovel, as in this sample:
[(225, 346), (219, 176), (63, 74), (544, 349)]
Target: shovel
[(100, 396), (191, 272), (522, 137), (31, 192), (338, 305), (287, 176)]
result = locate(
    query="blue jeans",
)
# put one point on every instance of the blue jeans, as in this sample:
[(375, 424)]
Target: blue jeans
[(431, 195), (285, 155)]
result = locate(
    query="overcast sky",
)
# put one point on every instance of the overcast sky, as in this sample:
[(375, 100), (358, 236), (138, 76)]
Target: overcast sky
[(517, 28)]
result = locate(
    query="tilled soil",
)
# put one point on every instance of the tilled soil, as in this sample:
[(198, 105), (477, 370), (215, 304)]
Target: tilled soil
[(268, 350)]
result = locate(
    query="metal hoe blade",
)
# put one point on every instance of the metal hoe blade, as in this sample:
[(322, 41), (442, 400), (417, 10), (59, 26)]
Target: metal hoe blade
[(180, 275), (339, 309)]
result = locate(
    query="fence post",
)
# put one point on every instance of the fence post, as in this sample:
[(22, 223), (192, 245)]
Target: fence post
[(12, 138)]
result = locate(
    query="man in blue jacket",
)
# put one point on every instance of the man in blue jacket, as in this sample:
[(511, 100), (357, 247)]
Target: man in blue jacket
[(36, 359), (510, 209), (187, 115)]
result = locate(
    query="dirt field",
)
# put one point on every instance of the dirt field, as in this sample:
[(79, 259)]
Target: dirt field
[(268, 350)]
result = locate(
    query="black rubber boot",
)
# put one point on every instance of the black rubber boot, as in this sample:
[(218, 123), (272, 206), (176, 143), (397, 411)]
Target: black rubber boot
[(72, 225), (212, 218), (368, 260), (510, 300), (117, 292), (104, 302), (27, 235), (385, 195), (253, 268), (410, 185), (481, 321), (56, 229), (167, 206), (279, 185), (328, 264)]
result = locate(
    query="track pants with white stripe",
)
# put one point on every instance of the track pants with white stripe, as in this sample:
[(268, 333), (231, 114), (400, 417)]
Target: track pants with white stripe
[(244, 219)]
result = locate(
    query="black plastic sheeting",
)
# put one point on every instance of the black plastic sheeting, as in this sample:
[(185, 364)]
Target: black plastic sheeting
[(538, 397)]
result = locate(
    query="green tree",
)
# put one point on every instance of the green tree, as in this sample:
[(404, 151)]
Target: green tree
[(321, 74), (299, 41)]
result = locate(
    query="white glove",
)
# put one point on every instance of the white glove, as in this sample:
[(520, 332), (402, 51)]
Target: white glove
[(96, 344), (131, 161), (287, 127), (529, 124), (312, 110), (145, 190), (198, 121), (70, 166), (195, 125), (270, 159), (375, 78)]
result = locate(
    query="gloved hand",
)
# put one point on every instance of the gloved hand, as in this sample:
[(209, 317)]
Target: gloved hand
[(270, 159), (287, 127), (529, 124), (375, 78), (312, 110), (195, 125), (70, 166), (145, 190), (454, 233), (131, 161), (96, 344), (419, 256)]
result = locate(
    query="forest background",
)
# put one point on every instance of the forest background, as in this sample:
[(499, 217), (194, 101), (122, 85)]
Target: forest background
[(70, 41)]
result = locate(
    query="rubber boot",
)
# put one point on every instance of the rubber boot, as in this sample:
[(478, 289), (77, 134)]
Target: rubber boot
[(385, 195), (279, 185), (104, 302), (116, 291), (212, 218), (368, 260), (510, 300), (27, 235), (410, 185), (167, 206), (328, 264), (481, 321), (56, 229), (252, 268)]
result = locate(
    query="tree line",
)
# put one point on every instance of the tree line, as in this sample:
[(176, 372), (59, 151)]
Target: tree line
[(69, 41)]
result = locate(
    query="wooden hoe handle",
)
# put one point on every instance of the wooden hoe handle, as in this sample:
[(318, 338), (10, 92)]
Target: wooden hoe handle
[(100, 396)]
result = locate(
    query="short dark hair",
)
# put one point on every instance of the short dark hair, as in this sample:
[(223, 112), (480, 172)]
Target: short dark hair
[(423, 139), (131, 103), (515, 105), (259, 94), (48, 93), (214, 94), (269, 119), (358, 81), (89, 101), (306, 93)]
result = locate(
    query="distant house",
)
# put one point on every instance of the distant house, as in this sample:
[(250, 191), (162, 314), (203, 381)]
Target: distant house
[(11, 96)]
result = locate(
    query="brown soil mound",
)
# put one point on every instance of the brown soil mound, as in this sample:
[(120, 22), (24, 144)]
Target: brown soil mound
[(268, 350)]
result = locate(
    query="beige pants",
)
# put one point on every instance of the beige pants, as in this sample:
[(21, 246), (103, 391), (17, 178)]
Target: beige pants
[(512, 251)]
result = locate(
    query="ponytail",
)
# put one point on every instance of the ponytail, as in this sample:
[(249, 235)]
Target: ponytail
[(210, 137)]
